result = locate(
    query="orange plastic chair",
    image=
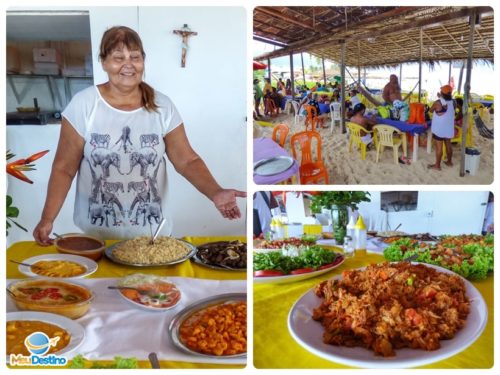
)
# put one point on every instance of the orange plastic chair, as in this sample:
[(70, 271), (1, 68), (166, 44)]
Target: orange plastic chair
[(311, 169), (280, 132), (312, 117), (270, 107), (417, 113)]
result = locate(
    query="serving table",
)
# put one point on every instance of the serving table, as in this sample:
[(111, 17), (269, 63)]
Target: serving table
[(113, 323), (274, 347)]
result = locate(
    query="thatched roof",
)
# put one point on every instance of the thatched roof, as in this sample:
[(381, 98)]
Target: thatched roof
[(375, 36)]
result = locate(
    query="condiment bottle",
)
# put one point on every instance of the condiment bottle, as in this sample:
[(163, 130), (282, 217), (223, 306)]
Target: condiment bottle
[(350, 227), (348, 247), (360, 237)]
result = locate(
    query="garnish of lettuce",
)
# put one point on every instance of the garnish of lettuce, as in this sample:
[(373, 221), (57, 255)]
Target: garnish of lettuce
[(79, 362), (482, 257)]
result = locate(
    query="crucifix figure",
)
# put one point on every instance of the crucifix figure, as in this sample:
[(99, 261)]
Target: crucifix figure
[(185, 32)]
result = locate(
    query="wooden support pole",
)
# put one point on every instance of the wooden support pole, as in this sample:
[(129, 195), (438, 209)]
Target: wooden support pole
[(460, 77), (269, 69), (324, 71), (359, 63), (420, 65), (449, 72), (465, 125), (292, 76), (303, 71), (342, 92)]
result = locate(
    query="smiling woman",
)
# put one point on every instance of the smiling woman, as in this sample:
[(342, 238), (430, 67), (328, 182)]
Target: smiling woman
[(122, 128)]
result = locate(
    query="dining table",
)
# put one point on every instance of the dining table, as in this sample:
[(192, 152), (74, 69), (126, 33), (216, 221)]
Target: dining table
[(275, 347), (265, 149), (116, 327), (414, 129)]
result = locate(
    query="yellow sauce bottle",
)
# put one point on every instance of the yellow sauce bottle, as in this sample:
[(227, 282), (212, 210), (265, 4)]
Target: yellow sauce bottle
[(360, 237)]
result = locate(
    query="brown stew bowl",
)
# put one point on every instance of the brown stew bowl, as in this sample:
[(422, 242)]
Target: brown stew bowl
[(80, 244), (23, 294)]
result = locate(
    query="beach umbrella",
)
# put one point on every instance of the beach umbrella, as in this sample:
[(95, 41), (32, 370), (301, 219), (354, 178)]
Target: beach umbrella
[(258, 65)]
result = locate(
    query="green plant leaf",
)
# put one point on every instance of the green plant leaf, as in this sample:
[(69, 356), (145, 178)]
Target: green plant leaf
[(12, 212), (9, 200)]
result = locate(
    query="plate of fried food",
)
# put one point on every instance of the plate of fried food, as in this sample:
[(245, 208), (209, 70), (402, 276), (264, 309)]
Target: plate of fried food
[(389, 315), (215, 327)]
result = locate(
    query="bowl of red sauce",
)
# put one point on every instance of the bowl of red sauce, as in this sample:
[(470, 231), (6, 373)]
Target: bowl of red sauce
[(80, 244)]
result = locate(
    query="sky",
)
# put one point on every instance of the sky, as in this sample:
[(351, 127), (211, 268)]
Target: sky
[(432, 77)]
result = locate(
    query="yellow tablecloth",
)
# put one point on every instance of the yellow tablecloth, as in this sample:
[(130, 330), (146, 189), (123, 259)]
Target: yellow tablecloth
[(23, 250), (274, 347)]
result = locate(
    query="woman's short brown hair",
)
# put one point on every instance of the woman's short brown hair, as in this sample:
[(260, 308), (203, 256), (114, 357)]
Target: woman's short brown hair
[(119, 36)]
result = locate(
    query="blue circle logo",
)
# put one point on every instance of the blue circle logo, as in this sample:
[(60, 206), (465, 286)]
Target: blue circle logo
[(39, 343)]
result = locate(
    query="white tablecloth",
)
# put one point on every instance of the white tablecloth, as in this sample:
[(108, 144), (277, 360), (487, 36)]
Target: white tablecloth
[(115, 326)]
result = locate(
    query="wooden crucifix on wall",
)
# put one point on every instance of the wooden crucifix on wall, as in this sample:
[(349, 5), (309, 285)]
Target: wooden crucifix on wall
[(185, 32)]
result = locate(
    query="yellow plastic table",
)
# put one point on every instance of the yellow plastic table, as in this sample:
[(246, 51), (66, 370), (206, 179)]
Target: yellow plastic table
[(23, 250), (274, 347)]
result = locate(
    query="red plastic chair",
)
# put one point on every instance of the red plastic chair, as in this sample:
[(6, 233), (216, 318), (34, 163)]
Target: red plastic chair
[(280, 132), (270, 107), (312, 169), (312, 117)]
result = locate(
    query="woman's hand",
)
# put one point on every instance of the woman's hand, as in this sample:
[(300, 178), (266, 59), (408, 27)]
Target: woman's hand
[(42, 231), (225, 201)]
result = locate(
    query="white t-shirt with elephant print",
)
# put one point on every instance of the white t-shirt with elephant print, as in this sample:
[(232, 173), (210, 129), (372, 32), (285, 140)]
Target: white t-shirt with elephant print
[(122, 181)]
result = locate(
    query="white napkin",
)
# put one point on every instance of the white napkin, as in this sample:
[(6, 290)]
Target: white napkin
[(115, 326)]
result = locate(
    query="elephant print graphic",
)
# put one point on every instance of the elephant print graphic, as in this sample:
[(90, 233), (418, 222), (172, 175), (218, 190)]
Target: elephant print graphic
[(109, 203)]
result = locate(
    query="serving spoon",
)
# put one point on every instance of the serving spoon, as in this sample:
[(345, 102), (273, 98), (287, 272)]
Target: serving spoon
[(23, 264), (153, 238), (58, 236), (140, 291), (153, 359)]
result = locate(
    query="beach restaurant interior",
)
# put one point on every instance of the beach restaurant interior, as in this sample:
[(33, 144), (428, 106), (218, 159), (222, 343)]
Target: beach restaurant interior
[(294, 143)]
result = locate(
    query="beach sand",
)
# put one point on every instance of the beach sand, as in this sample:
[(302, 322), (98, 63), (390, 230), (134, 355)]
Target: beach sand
[(348, 168)]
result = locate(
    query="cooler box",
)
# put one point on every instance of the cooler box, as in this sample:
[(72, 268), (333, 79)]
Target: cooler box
[(472, 158)]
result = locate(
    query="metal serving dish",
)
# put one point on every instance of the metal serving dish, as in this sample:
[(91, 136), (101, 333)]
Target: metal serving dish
[(273, 166), (176, 322), (109, 254), (199, 260)]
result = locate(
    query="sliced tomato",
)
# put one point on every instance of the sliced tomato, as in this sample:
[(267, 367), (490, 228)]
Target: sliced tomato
[(263, 273), (301, 270), (337, 260)]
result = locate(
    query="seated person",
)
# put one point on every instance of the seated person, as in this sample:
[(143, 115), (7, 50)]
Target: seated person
[(367, 123), (277, 98), (314, 102), (459, 115), (355, 99)]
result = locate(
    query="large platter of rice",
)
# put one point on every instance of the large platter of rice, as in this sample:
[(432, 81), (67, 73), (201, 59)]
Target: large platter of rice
[(139, 252)]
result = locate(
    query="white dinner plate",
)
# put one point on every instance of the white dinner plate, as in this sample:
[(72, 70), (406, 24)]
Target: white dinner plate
[(147, 279), (273, 166), (292, 278), (89, 264), (76, 331), (309, 334)]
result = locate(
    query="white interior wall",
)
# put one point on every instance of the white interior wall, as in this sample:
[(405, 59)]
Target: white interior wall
[(210, 94), (438, 212)]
